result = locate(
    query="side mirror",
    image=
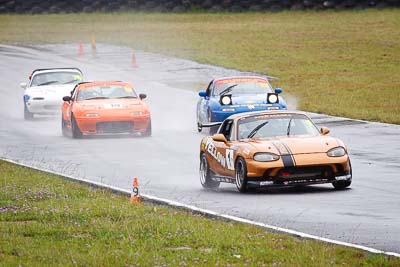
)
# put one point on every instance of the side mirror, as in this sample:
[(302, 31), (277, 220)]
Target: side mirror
[(324, 130), (278, 90), (67, 98), (219, 138), (23, 85), (203, 94), (142, 96)]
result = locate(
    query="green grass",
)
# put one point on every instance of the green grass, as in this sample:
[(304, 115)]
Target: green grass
[(341, 63), (47, 220)]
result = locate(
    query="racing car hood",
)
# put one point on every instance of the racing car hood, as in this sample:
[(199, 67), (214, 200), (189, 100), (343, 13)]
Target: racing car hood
[(295, 144), (128, 104), (249, 99), (60, 90)]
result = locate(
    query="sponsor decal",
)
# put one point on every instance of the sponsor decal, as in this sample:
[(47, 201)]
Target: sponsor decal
[(212, 150), (77, 77), (128, 89), (229, 159), (225, 161), (112, 105)]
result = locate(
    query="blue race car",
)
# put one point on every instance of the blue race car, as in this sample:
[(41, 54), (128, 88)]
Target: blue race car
[(230, 95)]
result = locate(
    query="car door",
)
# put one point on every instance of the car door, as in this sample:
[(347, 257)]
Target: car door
[(222, 154), (203, 105)]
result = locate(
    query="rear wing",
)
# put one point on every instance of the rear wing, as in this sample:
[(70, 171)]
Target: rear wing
[(200, 126)]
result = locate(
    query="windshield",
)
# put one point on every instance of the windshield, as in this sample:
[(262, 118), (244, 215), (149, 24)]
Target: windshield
[(65, 77), (242, 86), (105, 92), (272, 125)]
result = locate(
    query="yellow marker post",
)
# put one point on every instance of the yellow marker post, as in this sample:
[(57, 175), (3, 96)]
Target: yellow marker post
[(93, 42)]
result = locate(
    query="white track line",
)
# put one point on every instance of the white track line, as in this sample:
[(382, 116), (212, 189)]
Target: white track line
[(210, 212)]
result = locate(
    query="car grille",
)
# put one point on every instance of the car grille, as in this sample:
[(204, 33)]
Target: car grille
[(308, 174), (114, 127)]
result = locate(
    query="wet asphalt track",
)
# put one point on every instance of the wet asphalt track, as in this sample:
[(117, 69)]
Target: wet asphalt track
[(167, 163)]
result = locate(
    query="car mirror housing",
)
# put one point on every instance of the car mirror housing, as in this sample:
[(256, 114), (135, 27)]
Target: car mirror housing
[(23, 85), (324, 130), (219, 138), (202, 94), (278, 90), (67, 98), (142, 96)]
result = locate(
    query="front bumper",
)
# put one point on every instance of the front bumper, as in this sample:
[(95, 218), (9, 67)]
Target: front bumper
[(41, 105), (113, 124), (315, 169)]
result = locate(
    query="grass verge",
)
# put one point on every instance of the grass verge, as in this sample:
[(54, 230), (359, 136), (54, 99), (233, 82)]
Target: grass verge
[(341, 63), (47, 220)]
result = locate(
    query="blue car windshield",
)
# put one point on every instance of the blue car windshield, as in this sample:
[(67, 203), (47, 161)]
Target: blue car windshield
[(241, 86)]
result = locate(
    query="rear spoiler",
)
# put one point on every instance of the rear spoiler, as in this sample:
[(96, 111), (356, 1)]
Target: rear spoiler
[(208, 125)]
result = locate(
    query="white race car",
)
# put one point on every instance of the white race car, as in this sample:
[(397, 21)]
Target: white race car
[(46, 88)]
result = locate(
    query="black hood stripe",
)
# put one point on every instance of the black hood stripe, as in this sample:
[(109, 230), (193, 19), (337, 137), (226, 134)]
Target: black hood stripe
[(290, 152), (287, 158)]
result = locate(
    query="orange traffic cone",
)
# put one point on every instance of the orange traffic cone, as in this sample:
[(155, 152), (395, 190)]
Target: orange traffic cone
[(81, 51), (135, 197), (134, 63)]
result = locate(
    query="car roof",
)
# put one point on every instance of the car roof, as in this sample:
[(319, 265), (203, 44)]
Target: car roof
[(84, 85), (264, 112), (36, 71)]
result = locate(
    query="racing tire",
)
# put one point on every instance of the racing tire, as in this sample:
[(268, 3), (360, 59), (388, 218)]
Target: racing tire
[(340, 185), (147, 132), (63, 127), (76, 132), (27, 115), (205, 174), (241, 175)]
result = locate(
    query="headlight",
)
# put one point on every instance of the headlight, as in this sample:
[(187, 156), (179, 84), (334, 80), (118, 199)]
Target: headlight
[(26, 98), (265, 157), (336, 152), (272, 98), (226, 100), (92, 115), (136, 113)]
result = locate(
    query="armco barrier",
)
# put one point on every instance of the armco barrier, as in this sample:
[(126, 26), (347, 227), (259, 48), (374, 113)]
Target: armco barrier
[(69, 6)]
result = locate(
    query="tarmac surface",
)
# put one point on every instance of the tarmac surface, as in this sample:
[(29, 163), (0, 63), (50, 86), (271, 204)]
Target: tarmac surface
[(167, 163)]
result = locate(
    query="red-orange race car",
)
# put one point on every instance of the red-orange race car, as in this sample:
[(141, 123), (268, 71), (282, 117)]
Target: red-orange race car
[(272, 148), (105, 108)]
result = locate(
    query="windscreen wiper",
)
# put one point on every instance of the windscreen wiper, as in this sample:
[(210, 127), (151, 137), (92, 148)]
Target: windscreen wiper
[(97, 97), (288, 128), (228, 89), (70, 81), (255, 130), (127, 96), (47, 83)]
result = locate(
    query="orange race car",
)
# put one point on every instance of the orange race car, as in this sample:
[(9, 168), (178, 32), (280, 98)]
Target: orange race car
[(105, 108), (272, 148)]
